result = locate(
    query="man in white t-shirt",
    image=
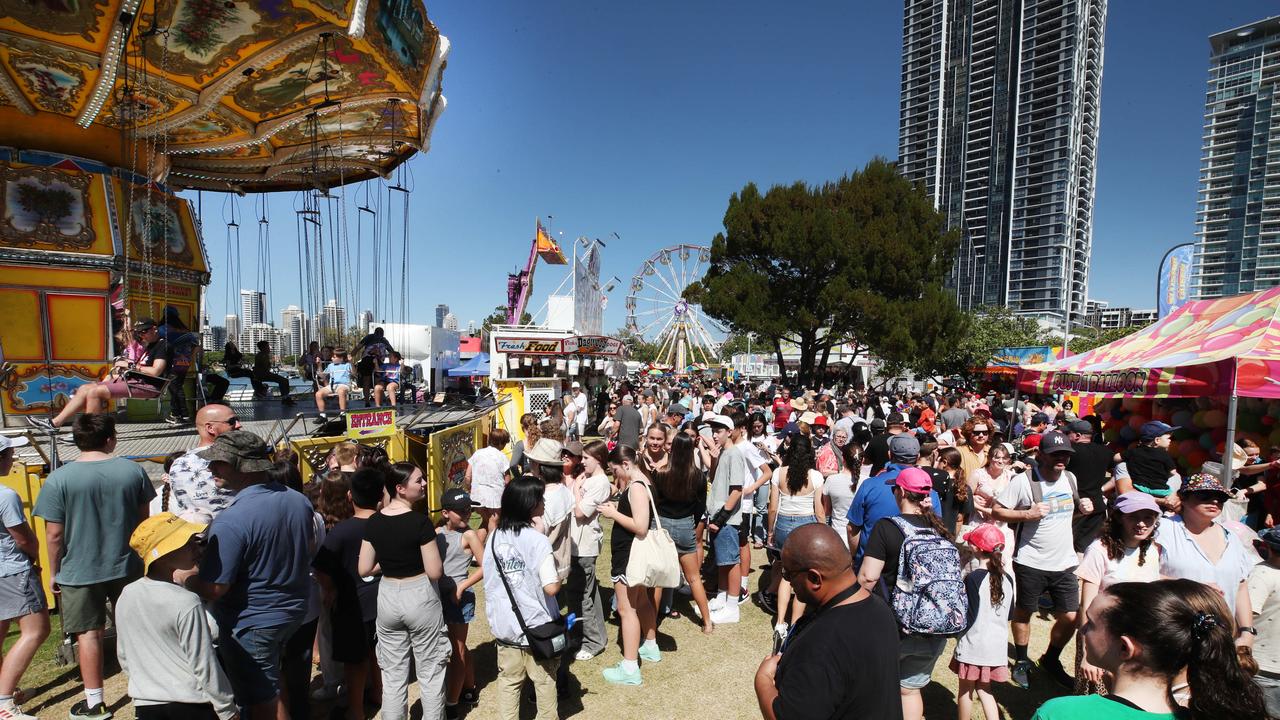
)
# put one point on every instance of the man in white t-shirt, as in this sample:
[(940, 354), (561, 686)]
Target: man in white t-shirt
[(579, 402), (1043, 501)]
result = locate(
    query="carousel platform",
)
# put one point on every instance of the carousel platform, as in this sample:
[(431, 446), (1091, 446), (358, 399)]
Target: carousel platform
[(150, 442)]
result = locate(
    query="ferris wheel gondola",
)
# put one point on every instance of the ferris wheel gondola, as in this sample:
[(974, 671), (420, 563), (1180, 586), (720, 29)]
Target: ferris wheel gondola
[(658, 310)]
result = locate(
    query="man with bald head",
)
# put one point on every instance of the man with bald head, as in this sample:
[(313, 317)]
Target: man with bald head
[(194, 495), (841, 659)]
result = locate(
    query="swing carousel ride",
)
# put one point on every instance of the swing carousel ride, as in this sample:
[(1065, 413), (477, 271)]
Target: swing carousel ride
[(109, 108)]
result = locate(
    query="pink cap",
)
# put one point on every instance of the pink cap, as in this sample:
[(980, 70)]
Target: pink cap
[(913, 480), (986, 537), (982, 407)]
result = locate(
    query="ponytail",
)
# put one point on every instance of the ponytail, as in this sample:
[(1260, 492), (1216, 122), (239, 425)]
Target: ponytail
[(995, 576), (1182, 624), (1219, 685), (927, 512)]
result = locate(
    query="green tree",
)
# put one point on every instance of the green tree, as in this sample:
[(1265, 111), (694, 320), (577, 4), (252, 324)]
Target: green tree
[(859, 260), (638, 348), (499, 317), (1086, 338), (988, 330), (738, 344)]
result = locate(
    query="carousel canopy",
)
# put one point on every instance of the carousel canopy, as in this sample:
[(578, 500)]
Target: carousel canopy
[(1220, 347), (224, 95)]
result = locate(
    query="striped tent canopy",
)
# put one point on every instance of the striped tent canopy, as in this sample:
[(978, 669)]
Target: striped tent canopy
[(1220, 347)]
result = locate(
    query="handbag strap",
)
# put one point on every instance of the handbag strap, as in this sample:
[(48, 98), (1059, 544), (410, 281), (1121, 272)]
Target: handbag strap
[(653, 507), (515, 606)]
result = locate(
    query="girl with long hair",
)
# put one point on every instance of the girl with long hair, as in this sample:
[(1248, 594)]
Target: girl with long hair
[(957, 499), (401, 544), (839, 489), (917, 654), (654, 455), (1145, 635), (1126, 551), (680, 491), (333, 501), (589, 492), (522, 554), (795, 499), (985, 485), (636, 613), (520, 465), (981, 653)]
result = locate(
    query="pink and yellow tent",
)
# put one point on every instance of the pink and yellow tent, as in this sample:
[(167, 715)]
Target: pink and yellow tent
[(1226, 347)]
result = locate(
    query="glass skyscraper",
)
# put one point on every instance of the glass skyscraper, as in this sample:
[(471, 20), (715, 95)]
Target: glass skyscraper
[(1238, 218), (999, 124)]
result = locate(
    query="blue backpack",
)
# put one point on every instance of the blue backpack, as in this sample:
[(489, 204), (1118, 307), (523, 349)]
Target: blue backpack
[(929, 597)]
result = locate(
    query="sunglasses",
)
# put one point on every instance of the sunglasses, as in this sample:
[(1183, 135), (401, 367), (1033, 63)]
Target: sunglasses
[(980, 432), (233, 420), (1208, 496)]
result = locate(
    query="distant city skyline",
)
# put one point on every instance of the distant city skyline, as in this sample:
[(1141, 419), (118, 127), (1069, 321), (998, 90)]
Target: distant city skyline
[(655, 122)]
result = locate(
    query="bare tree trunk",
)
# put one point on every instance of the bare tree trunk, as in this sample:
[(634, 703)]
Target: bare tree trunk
[(782, 365)]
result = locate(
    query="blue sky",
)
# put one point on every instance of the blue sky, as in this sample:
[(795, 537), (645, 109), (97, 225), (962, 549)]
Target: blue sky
[(642, 119)]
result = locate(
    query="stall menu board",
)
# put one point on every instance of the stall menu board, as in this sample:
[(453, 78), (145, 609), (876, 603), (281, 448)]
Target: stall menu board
[(528, 346), (593, 345)]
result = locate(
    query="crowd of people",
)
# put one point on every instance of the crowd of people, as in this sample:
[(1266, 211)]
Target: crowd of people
[(892, 523)]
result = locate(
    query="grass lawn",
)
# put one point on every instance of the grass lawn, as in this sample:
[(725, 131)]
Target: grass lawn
[(699, 676)]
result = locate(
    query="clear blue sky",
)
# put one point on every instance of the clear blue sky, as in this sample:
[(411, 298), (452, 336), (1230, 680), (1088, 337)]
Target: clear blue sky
[(642, 119)]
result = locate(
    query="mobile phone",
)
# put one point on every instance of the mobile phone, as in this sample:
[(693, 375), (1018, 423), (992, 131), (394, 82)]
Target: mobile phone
[(778, 641)]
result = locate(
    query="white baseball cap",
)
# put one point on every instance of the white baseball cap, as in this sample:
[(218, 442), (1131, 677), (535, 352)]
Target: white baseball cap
[(720, 421), (575, 384), (15, 441)]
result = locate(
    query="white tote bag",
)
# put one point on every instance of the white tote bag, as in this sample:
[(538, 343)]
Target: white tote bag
[(654, 561)]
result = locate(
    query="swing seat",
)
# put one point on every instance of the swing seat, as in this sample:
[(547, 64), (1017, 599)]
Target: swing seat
[(146, 409)]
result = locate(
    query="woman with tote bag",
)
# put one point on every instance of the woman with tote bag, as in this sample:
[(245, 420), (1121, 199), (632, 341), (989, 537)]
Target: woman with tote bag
[(637, 616)]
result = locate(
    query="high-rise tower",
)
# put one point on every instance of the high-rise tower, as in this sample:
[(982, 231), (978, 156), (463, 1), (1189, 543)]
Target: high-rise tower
[(999, 124), (1238, 218)]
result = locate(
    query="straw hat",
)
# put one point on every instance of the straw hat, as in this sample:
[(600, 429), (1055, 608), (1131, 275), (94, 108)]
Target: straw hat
[(546, 451)]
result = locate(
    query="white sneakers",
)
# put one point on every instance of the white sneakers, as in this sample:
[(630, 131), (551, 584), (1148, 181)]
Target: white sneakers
[(726, 614), (13, 712)]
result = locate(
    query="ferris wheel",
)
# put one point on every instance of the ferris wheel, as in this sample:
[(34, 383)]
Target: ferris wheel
[(657, 310)]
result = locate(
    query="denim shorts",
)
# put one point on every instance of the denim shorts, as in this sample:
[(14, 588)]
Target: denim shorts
[(681, 532), (1270, 691), (784, 524), (456, 613), (725, 546), (251, 658), (917, 655)]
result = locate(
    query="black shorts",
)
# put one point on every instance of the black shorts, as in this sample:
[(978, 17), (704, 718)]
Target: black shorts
[(353, 638), (1063, 587)]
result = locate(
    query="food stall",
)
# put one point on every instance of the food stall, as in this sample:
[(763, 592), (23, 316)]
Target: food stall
[(1211, 366), (535, 366)]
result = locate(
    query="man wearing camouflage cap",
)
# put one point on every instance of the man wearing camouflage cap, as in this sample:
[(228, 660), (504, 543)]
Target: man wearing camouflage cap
[(256, 568)]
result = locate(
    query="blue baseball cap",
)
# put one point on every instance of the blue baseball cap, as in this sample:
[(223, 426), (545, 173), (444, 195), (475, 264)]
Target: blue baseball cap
[(1154, 429)]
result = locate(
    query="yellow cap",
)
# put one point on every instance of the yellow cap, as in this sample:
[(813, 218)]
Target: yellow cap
[(160, 535)]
